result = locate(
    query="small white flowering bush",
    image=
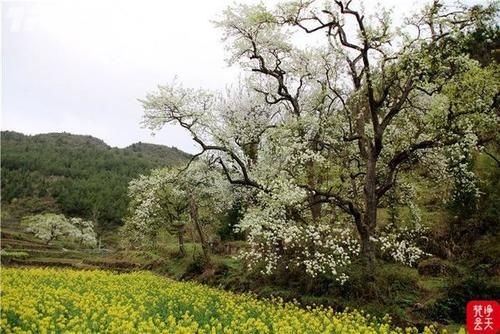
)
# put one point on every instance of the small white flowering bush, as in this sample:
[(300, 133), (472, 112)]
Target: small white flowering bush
[(402, 245), (315, 250), (276, 239)]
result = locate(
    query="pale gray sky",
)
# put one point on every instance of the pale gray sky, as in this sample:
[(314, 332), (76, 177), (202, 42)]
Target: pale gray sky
[(80, 65)]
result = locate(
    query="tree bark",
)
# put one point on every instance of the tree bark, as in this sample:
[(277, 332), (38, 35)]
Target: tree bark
[(97, 227), (314, 178), (180, 235), (315, 206), (367, 246), (368, 221), (196, 222)]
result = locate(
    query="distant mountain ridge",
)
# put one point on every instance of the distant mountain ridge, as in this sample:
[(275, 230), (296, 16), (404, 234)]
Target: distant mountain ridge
[(75, 174)]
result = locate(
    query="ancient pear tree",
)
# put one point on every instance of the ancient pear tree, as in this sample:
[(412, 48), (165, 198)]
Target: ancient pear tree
[(336, 104)]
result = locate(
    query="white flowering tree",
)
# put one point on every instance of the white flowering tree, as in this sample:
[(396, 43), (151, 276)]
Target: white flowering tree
[(155, 204), (50, 226), (207, 194), (47, 227), (169, 198), (83, 232), (321, 130)]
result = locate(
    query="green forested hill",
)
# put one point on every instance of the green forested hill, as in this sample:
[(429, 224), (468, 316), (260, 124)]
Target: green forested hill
[(73, 174)]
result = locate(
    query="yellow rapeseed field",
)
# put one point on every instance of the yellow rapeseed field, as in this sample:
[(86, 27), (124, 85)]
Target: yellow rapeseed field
[(46, 300)]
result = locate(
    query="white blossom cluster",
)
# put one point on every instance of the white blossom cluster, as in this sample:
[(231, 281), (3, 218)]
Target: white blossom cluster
[(83, 231), (50, 226), (159, 200), (275, 240), (146, 200), (435, 164), (402, 244), (408, 194), (460, 168)]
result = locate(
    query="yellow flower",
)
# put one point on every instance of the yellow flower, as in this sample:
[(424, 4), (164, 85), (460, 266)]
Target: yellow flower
[(70, 301)]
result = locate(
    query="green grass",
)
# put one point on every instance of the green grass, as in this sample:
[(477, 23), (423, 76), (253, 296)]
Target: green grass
[(5, 253), (432, 283)]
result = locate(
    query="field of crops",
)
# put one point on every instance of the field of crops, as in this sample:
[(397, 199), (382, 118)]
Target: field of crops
[(71, 301)]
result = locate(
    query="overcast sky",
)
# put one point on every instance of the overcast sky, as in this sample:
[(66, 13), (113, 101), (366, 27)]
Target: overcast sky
[(79, 66)]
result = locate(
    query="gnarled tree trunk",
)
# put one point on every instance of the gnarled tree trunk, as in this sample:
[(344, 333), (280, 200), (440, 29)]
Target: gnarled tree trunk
[(195, 219), (180, 235), (368, 221)]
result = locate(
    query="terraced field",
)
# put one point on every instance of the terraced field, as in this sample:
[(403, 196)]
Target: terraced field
[(22, 249)]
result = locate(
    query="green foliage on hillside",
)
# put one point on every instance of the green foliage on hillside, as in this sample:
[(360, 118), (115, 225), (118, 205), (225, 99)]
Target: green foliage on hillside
[(75, 175)]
